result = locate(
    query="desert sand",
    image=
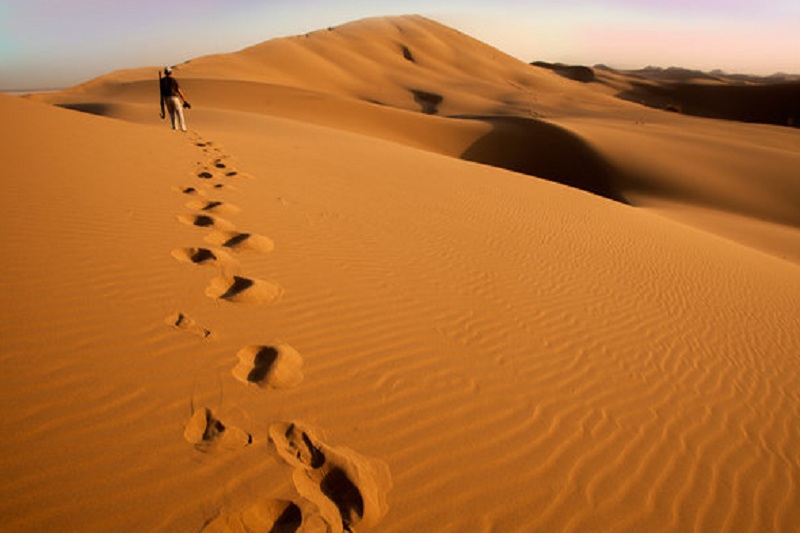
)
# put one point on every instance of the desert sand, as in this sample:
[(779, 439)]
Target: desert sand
[(395, 280)]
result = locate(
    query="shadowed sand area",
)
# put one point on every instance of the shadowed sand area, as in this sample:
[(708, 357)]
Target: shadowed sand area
[(522, 303)]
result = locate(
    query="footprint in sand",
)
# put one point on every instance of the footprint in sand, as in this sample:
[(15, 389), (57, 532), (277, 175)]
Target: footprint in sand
[(225, 169), (207, 173), (214, 206), (346, 487), (238, 289), (207, 433), (206, 221), (278, 366), (273, 516), (223, 186), (182, 322), (188, 190), (204, 256), (238, 241)]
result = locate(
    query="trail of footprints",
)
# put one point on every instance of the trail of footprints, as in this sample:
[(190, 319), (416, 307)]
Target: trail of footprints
[(337, 487)]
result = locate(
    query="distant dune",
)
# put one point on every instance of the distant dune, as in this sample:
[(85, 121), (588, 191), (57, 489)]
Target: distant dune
[(767, 100), (396, 280)]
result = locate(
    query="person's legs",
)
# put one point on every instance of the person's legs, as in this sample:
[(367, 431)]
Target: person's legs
[(171, 110), (177, 106)]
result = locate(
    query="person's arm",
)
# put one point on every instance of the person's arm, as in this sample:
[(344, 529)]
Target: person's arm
[(183, 98)]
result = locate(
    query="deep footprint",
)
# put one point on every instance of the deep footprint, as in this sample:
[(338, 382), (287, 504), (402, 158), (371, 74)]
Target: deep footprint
[(346, 487), (241, 241), (207, 433), (295, 445), (213, 206), (239, 289), (206, 221), (277, 366), (204, 256)]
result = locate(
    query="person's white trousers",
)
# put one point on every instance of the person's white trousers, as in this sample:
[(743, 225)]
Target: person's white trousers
[(175, 108)]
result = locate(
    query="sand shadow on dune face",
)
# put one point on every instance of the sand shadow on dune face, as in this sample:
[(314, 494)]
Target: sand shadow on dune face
[(92, 108), (777, 104), (543, 150), (428, 101)]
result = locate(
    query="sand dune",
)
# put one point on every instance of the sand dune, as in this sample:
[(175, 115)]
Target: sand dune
[(539, 308), (768, 100)]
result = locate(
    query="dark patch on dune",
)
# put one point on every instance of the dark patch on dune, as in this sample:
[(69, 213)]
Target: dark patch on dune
[(573, 72), (544, 150), (428, 101), (777, 103), (407, 54), (93, 108)]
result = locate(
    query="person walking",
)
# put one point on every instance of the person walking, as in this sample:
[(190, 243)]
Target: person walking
[(173, 98)]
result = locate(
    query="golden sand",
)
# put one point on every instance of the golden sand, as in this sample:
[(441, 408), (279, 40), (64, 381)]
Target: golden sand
[(426, 287)]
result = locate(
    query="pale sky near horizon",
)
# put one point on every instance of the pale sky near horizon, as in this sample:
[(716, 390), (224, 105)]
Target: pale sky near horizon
[(58, 43)]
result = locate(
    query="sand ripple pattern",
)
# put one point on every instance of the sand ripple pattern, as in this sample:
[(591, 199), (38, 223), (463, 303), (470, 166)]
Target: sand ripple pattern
[(627, 398), (336, 488)]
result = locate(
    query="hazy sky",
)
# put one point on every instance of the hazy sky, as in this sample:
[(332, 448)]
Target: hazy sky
[(57, 43)]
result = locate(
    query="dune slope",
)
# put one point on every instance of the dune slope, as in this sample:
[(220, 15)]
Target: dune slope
[(394, 78)]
